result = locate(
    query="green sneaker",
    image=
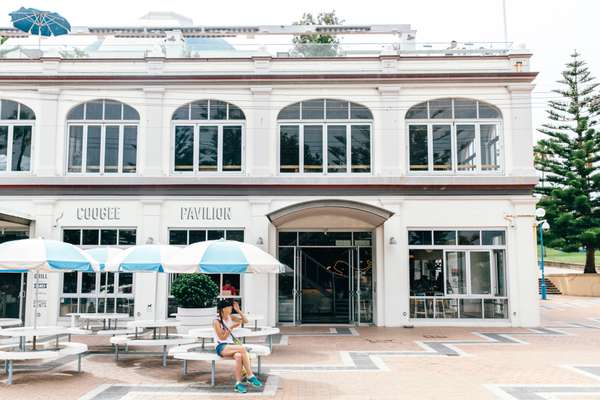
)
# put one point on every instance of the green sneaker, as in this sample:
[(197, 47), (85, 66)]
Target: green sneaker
[(254, 381), (240, 388)]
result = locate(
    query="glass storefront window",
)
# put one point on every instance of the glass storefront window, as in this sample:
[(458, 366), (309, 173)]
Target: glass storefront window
[(15, 136), (456, 272), (419, 237)]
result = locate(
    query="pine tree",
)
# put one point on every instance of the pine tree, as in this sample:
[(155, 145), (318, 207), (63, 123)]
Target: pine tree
[(569, 158)]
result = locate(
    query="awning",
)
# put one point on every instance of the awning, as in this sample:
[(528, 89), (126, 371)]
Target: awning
[(13, 219)]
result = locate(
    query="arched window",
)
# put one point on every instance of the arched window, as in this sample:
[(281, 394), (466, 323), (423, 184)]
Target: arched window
[(102, 138), (325, 136), (16, 129), (208, 137), (454, 135)]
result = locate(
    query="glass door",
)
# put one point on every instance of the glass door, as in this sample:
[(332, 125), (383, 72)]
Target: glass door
[(12, 294), (362, 285)]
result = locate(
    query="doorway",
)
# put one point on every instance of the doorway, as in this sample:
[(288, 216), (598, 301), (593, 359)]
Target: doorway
[(329, 280), (12, 295)]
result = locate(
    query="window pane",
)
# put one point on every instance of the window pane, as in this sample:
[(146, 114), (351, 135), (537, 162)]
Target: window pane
[(418, 111), (289, 148), (113, 110), (87, 305), (288, 238), (208, 148), (125, 282), (88, 282), (231, 285), (468, 238), (108, 236), (9, 109), (418, 147), (490, 142), (313, 148), (481, 277), (426, 272), (465, 108), (76, 112), (419, 237), (130, 149), (178, 237), (471, 308), (127, 237), (93, 109), (337, 109), (495, 308), (75, 148), (290, 112), (182, 113), (440, 109), (21, 148), (130, 114), (184, 148), (488, 111), (235, 112), (444, 238), (3, 147), (492, 238), (360, 143), (106, 305), (72, 236), (499, 272), (442, 148), (25, 112), (465, 147), (232, 148), (197, 236), (336, 148), (216, 234), (199, 110), (359, 112), (107, 283), (313, 109), (325, 239), (67, 306), (218, 109), (125, 306), (90, 237), (93, 149), (456, 272), (235, 235), (111, 149), (70, 282)]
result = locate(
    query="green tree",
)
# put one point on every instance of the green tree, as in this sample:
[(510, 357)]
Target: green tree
[(316, 44), (569, 158)]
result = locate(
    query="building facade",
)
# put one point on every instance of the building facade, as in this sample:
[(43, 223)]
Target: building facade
[(395, 184)]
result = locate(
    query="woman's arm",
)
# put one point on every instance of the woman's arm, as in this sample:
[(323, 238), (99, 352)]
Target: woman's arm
[(221, 332), (241, 316)]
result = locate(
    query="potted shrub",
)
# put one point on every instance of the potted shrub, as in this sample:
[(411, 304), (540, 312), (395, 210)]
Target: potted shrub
[(196, 296)]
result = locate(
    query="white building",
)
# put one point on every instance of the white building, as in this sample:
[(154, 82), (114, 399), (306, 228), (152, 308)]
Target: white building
[(393, 178)]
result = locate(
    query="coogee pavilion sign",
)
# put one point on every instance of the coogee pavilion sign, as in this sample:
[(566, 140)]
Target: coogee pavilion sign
[(205, 213), (98, 213)]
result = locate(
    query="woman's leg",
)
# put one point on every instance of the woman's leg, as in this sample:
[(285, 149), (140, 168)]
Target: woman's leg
[(231, 349), (235, 352)]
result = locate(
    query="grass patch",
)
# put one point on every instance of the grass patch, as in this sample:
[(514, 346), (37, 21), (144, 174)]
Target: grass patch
[(561, 256)]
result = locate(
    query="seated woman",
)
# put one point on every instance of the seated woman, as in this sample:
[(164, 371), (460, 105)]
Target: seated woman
[(226, 346)]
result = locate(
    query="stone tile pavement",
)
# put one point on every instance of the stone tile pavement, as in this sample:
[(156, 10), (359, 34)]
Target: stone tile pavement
[(559, 360)]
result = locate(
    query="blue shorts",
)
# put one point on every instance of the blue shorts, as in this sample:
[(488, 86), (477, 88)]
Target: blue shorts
[(220, 347)]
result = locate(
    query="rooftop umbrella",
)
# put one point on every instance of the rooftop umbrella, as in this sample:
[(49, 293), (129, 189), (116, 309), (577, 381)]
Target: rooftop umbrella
[(224, 257), (39, 22), (43, 255), (144, 258)]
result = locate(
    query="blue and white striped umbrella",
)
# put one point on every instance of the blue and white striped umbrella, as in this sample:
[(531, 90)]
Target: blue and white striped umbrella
[(44, 255), (103, 254), (40, 22), (222, 257), (144, 258)]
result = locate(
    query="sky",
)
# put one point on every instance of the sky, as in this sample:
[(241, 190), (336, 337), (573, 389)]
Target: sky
[(551, 29)]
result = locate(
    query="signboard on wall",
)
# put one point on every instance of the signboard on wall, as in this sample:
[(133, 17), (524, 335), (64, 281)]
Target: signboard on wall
[(205, 213)]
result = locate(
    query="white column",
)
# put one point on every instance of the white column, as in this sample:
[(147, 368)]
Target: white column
[(260, 134), (522, 270), (258, 290), (150, 294), (519, 141), (154, 135), (389, 144), (395, 268), (47, 141)]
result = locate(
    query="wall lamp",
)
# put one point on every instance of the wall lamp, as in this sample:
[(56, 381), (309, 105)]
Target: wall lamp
[(393, 241), (260, 241)]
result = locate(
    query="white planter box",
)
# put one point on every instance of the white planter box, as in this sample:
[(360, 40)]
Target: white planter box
[(192, 318)]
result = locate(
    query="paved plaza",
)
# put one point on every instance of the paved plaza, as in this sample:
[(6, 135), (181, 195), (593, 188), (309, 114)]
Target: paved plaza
[(559, 360)]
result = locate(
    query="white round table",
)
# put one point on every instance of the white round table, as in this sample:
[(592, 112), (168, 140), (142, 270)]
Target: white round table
[(241, 333), (6, 322), (104, 317), (255, 318), (25, 332), (155, 325), (133, 340)]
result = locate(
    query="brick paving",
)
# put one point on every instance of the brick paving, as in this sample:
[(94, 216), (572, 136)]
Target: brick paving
[(560, 360)]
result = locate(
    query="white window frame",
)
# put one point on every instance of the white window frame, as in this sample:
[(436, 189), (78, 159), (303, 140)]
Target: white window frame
[(324, 124), (11, 123), (429, 122), (121, 124), (196, 124)]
